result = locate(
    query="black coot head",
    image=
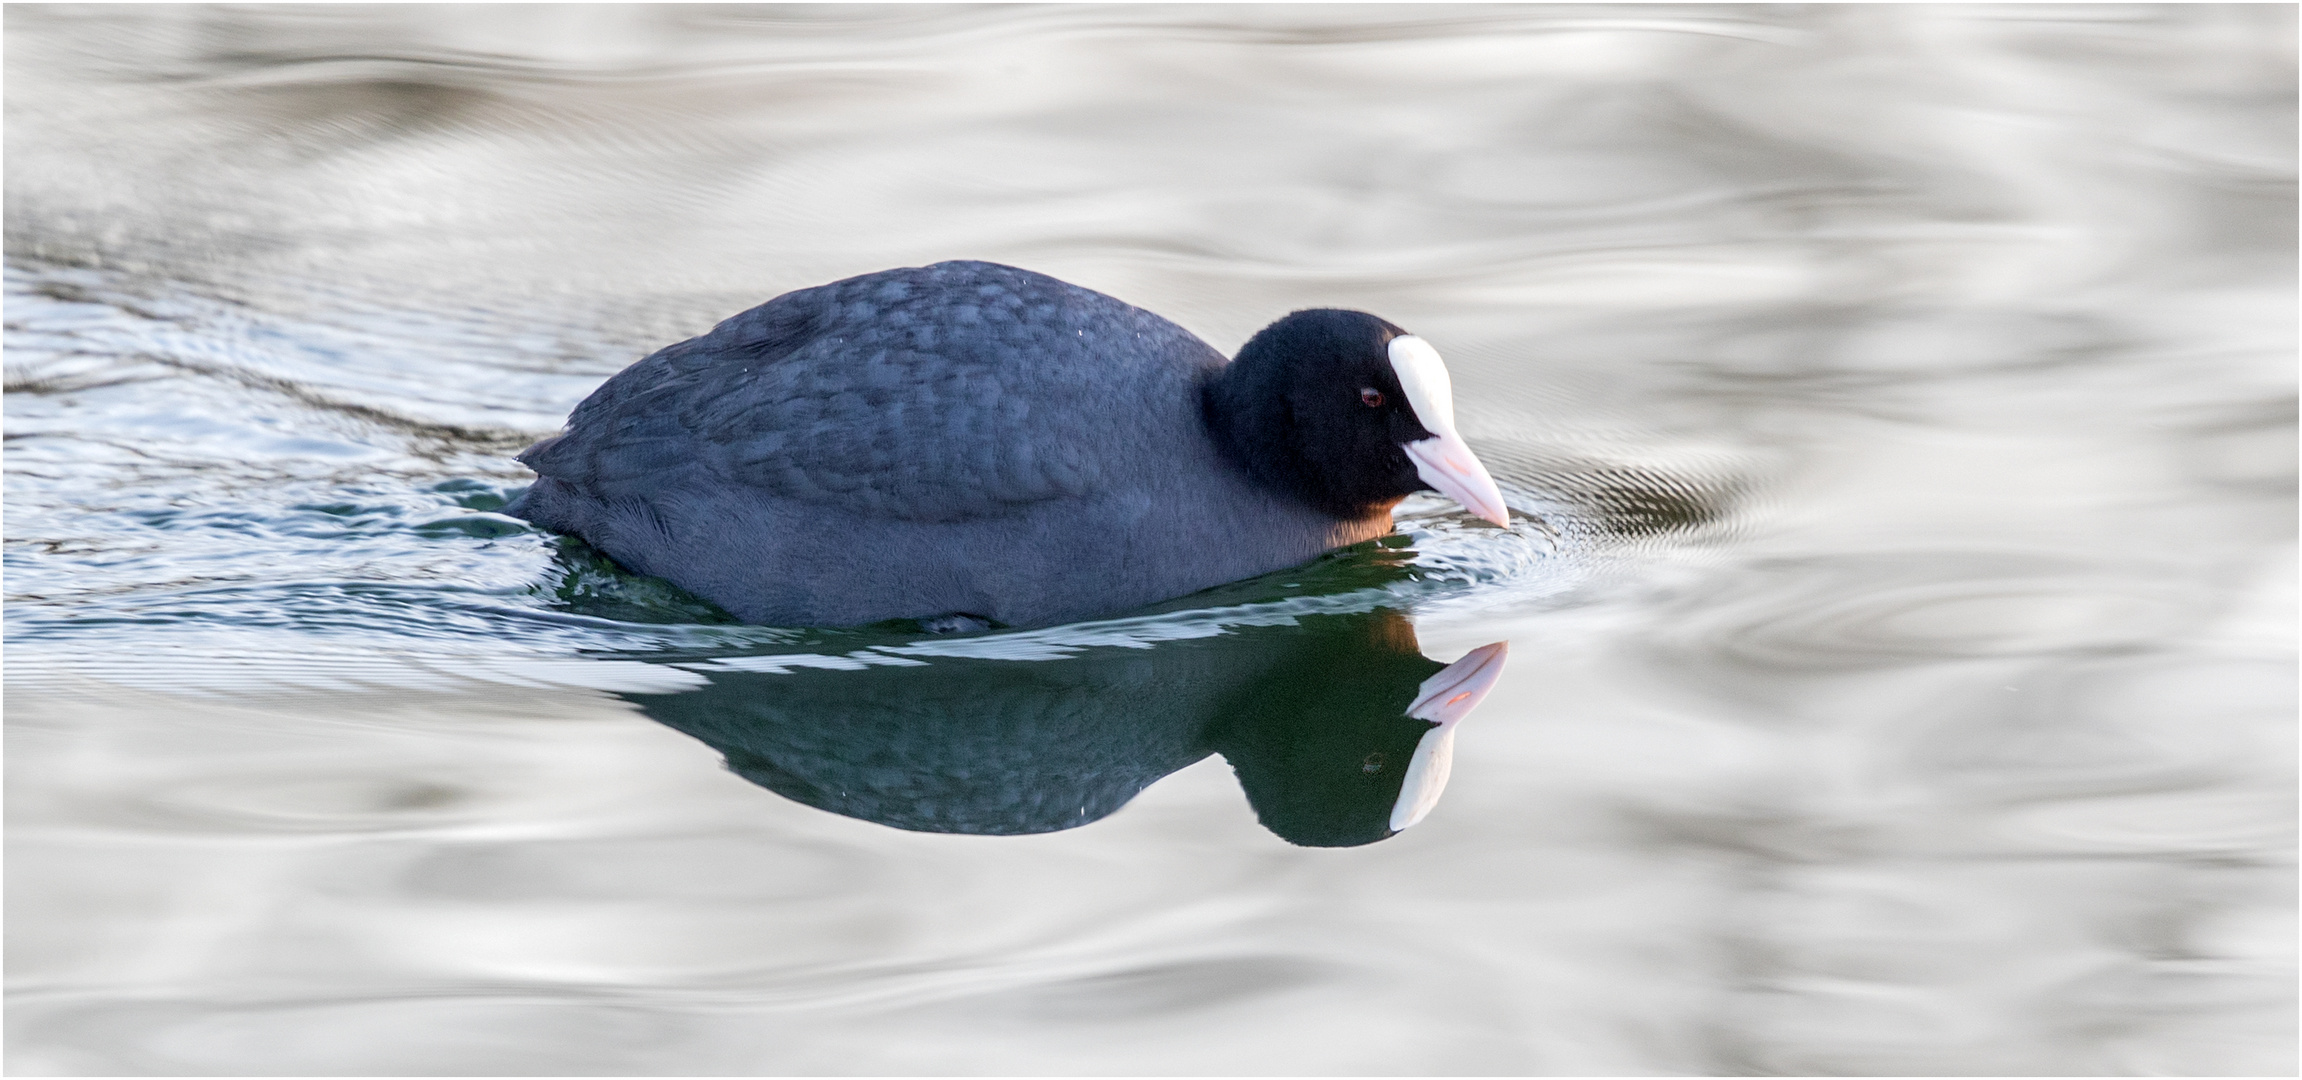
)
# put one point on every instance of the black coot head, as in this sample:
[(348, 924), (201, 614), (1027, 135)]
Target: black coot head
[(1351, 419), (1348, 412)]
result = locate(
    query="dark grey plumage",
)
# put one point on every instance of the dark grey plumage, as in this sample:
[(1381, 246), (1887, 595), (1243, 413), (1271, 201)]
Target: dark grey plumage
[(959, 438)]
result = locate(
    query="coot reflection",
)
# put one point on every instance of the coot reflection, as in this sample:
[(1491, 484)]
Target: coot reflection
[(1339, 729)]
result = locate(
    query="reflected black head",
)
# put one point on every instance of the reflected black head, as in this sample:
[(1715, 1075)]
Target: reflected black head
[(1327, 781), (1312, 407), (1322, 746)]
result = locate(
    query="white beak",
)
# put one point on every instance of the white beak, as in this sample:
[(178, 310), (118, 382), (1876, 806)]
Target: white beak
[(1444, 460)]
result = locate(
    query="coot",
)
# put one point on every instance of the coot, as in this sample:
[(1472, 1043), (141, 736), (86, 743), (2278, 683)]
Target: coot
[(974, 442)]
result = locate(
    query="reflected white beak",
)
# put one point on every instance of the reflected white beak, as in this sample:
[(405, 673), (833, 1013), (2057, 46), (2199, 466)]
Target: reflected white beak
[(1458, 688), (1446, 698), (1444, 460)]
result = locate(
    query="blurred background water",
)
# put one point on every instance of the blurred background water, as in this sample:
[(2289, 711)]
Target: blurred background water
[(1899, 401)]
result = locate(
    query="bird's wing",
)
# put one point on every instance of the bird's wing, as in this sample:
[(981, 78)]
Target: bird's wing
[(899, 394)]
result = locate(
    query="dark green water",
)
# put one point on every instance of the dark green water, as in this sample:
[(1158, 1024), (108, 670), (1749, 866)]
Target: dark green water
[(1898, 405)]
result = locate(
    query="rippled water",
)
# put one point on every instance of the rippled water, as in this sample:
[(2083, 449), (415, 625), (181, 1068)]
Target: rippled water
[(1898, 402)]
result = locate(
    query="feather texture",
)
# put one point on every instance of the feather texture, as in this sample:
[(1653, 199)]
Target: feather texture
[(881, 396)]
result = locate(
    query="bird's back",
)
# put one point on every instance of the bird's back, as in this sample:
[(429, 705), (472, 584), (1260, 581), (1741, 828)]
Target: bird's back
[(937, 393)]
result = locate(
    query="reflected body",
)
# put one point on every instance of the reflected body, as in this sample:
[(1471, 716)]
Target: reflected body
[(1338, 728), (973, 442)]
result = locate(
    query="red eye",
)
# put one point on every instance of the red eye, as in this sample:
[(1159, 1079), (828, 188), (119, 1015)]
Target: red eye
[(1371, 398)]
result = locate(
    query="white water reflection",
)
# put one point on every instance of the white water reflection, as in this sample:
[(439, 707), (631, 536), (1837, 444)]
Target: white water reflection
[(1899, 400)]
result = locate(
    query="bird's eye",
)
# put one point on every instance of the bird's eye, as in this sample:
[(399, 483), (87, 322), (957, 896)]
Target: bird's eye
[(1371, 397)]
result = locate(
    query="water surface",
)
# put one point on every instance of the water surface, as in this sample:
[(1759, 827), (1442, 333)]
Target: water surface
[(1898, 405)]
